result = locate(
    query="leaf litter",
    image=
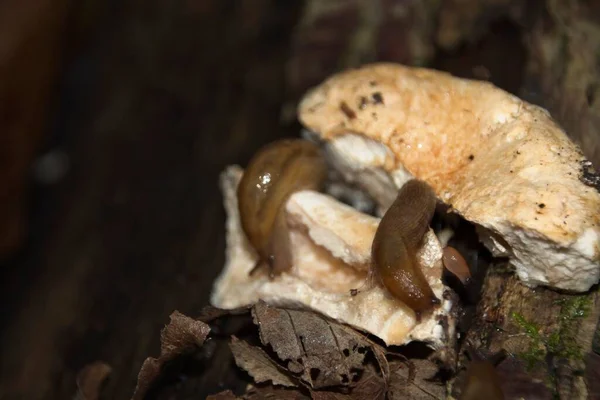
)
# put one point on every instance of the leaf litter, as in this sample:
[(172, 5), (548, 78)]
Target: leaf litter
[(297, 354), (181, 335), (258, 363)]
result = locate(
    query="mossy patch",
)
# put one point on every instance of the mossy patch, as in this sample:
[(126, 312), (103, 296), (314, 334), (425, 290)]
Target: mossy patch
[(563, 344), (559, 343), (537, 349)]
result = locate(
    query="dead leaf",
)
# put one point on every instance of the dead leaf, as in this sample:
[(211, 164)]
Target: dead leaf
[(370, 386), (273, 393), (90, 380), (210, 313), (321, 352), (258, 363), (181, 335), (312, 355), (224, 395), (384, 366), (415, 381), (260, 393), (324, 395)]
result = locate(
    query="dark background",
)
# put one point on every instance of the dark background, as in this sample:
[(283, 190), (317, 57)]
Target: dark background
[(116, 118)]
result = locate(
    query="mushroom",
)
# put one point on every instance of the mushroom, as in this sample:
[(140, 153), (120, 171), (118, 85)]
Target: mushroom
[(330, 245), (501, 163), (497, 161)]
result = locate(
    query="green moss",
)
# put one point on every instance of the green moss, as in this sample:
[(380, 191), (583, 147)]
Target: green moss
[(561, 342), (565, 344), (531, 329), (537, 349)]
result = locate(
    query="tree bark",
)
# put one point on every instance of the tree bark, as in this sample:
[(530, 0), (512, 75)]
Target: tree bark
[(31, 43)]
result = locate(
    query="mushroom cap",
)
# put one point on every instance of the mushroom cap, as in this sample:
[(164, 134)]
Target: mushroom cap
[(500, 162)]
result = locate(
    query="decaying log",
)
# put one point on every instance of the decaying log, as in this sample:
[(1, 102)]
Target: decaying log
[(31, 43), (548, 335), (135, 239)]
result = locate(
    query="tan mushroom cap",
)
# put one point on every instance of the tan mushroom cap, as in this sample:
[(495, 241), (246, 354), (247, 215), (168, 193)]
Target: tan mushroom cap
[(498, 161)]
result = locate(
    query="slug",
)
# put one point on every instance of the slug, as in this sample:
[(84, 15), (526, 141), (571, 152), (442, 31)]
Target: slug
[(397, 240), (276, 171), (455, 263)]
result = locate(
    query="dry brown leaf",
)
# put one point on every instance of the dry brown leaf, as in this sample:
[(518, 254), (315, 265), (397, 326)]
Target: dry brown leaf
[(321, 395), (181, 335), (258, 363), (319, 354), (224, 395), (415, 383), (384, 366), (322, 352), (260, 393), (273, 393), (370, 386), (210, 313), (90, 380)]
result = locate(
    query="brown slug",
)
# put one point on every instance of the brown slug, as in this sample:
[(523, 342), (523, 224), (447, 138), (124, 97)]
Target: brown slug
[(396, 242), (456, 264), (275, 172)]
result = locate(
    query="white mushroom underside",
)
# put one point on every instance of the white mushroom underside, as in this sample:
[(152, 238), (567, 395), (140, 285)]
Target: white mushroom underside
[(331, 245)]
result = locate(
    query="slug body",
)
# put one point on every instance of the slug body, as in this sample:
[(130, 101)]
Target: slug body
[(275, 172), (456, 263), (482, 382), (397, 241)]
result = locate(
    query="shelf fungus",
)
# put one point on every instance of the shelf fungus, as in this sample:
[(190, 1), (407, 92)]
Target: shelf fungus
[(409, 139), (330, 245), (501, 163)]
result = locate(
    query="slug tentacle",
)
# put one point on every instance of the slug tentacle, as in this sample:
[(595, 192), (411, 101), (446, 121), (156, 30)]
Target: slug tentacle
[(397, 241), (275, 172)]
